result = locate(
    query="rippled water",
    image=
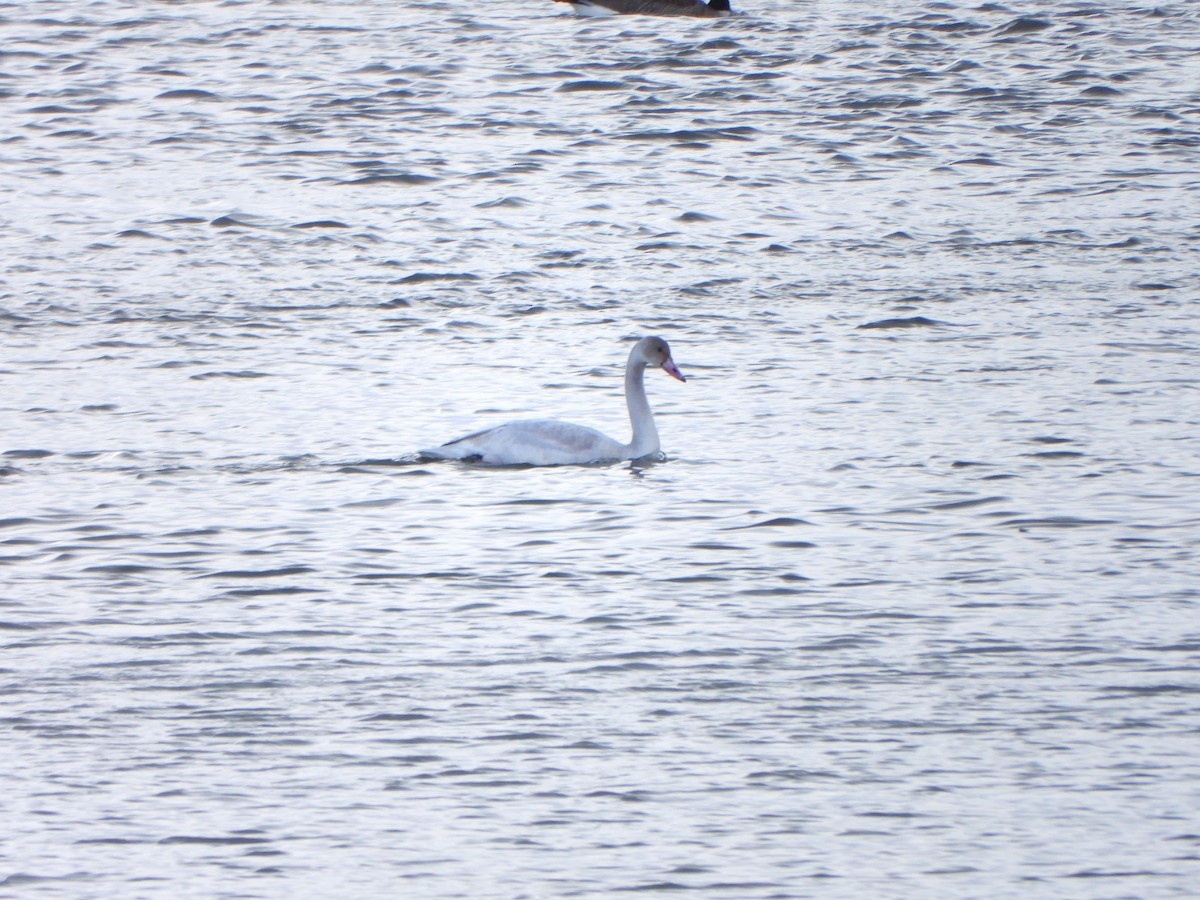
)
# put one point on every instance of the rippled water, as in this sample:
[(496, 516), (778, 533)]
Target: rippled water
[(910, 609)]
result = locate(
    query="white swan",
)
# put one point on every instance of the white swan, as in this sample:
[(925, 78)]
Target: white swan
[(549, 442), (698, 8)]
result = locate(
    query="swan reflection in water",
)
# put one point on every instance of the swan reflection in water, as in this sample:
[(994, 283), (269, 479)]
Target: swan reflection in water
[(551, 442)]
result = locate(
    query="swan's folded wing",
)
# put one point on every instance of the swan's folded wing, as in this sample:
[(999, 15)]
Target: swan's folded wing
[(650, 7), (533, 442)]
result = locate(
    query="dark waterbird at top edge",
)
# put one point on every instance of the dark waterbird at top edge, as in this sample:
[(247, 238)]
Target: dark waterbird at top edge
[(710, 10)]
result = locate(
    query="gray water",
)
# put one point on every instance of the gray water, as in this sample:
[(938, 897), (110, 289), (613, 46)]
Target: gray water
[(908, 610)]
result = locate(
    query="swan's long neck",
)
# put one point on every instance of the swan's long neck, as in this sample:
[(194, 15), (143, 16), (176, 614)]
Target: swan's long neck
[(645, 435)]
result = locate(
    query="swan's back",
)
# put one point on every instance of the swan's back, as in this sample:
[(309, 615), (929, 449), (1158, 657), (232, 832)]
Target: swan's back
[(533, 442)]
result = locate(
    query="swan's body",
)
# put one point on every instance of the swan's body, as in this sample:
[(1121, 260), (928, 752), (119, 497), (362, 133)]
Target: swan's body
[(698, 8), (549, 442)]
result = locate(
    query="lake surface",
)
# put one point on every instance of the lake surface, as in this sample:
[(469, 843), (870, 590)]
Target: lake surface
[(911, 608)]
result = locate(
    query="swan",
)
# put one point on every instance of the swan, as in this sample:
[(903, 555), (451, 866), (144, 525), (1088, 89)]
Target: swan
[(550, 442), (710, 10)]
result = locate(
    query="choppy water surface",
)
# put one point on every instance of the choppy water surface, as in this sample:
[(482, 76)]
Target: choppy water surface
[(910, 609)]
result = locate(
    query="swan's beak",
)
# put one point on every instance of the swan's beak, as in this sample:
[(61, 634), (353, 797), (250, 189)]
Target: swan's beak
[(673, 370)]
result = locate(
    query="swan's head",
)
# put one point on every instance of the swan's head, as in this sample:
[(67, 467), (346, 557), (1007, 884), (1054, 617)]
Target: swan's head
[(655, 352)]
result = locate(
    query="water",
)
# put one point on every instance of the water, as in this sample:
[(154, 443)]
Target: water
[(910, 609)]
